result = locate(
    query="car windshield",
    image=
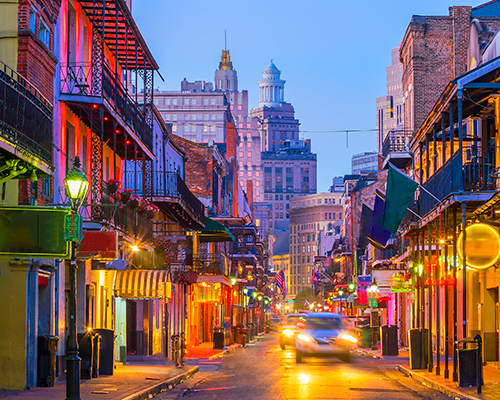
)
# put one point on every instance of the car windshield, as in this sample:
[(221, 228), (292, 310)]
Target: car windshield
[(292, 320), (323, 323)]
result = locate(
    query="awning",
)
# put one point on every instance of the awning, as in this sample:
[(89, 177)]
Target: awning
[(215, 232), (142, 284)]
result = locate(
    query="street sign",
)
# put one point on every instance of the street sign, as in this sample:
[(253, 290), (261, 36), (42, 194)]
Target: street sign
[(72, 227), (372, 302)]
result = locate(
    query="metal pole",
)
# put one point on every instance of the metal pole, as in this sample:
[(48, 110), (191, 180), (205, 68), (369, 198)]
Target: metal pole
[(430, 364), (422, 297), (460, 139), (452, 139), (446, 300), (72, 359), (455, 327), (434, 150), (443, 138), (464, 271), (479, 362), (418, 281)]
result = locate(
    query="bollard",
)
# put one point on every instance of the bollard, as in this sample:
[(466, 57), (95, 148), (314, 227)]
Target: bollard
[(479, 362)]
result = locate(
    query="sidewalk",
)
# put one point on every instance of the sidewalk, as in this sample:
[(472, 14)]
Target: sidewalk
[(140, 377), (491, 377)]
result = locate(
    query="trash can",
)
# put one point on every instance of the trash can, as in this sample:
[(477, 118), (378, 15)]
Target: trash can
[(467, 364), (86, 353), (218, 338), (389, 340), (96, 353), (418, 350), (47, 350), (107, 351)]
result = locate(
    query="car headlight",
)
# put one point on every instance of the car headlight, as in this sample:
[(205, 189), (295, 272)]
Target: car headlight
[(303, 337), (287, 332), (349, 338)]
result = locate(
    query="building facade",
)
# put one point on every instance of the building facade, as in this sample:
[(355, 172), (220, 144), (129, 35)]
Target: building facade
[(308, 216), (390, 106), (368, 161), (289, 172)]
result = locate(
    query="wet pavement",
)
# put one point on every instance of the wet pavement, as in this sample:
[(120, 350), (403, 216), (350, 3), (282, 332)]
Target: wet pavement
[(264, 371)]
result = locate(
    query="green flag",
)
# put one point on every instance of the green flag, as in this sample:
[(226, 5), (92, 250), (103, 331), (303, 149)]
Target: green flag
[(400, 190)]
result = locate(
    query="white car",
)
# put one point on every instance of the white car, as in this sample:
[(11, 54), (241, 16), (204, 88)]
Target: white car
[(323, 335)]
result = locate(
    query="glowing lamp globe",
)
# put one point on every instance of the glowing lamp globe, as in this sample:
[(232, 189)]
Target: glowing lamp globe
[(76, 184), (482, 246)]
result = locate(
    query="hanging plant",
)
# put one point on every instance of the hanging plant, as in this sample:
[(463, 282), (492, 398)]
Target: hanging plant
[(113, 185), (134, 200), (125, 195), (151, 211)]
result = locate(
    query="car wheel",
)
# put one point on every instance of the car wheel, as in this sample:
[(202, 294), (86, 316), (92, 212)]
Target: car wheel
[(345, 357), (298, 357)]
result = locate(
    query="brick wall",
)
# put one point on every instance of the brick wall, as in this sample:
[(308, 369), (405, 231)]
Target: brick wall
[(36, 61), (434, 52)]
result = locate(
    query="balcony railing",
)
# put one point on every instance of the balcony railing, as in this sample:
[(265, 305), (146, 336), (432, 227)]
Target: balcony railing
[(395, 143), (168, 184), (128, 220), (210, 264), (76, 79), (478, 173), (25, 115)]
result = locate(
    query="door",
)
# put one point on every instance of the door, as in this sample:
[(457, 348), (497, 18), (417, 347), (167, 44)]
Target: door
[(131, 327), (490, 324)]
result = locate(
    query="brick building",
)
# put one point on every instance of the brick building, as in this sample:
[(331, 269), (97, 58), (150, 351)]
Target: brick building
[(434, 51)]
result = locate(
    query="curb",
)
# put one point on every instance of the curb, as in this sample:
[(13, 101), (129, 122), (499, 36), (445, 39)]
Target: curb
[(368, 352), (429, 382), (155, 389), (232, 347)]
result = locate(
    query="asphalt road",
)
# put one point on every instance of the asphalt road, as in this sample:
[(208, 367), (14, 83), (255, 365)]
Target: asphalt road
[(264, 371)]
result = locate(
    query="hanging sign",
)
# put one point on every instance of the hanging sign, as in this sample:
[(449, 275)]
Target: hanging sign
[(482, 246)]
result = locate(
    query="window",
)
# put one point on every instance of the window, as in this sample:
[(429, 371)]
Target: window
[(333, 215), (329, 215), (205, 128), (249, 145), (44, 34), (174, 102), (193, 102), (205, 102), (240, 154), (32, 20), (174, 117), (289, 170), (174, 128), (257, 173), (193, 128), (167, 101), (241, 164), (193, 117), (212, 101), (249, 174), (249, 154), (186, 102), (278, 170), (267, 170), (212, 128), (46, 188), (205, 116), (240, 108), (212, 116), (155, 102), (257, 184), (326, 215)]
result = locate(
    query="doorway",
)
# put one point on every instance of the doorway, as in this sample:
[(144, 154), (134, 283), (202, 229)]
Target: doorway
[(131, 327)]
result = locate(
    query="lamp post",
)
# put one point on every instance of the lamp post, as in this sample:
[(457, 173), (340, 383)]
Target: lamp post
[(76, 185)]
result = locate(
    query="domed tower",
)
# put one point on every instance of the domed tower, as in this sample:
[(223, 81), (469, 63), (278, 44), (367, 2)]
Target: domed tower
[(271, 87)]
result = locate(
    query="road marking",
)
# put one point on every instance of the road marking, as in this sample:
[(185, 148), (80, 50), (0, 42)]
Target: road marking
[(219, 388)]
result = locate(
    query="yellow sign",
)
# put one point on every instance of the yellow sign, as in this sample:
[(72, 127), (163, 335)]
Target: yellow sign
[(482, 246)]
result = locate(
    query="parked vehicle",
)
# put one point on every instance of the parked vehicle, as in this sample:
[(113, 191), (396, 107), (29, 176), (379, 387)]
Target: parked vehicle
[(273, 324), (288, 330), (323, 335)]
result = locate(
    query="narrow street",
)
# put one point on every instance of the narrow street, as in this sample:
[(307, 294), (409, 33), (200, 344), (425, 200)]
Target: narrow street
[(263, 371)]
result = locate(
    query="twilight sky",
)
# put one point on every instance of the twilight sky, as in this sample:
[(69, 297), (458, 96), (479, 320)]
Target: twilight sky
[(332, 54)]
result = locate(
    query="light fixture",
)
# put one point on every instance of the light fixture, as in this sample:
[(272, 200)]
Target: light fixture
[(374, 285), (134, 248), (76, 184)]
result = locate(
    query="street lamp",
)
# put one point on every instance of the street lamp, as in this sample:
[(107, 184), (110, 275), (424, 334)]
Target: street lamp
[(76, 184)]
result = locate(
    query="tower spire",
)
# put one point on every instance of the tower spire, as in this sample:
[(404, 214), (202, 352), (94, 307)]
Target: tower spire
[(225, 40)]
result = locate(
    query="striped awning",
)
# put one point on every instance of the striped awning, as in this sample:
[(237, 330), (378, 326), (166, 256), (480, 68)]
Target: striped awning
[(145, 284)]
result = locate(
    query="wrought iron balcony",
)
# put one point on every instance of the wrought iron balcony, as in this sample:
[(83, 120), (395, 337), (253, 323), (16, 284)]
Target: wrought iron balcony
[(169, 189), (395, 149), (76, 80), (122, 217), (25, 116), (210, 264), (478, 174)]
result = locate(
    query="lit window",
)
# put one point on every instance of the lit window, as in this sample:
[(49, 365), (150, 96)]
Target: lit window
[(231, 107), (249, 154), (257, 183), (205, 128), (241, 183), (240, 107), (240, 154), (241, 164), (257, 173), (174, 128), (242, 173), (212, 128), (249, 174), (249, 126), (241, 144), (240, 126), (258, 191), (249, 145), (249, 164)]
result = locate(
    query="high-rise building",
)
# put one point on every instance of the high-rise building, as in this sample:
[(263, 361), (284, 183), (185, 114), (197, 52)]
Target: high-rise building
[(390, 106), (337, 184), (289, 172), (308, 216), (364, 162)]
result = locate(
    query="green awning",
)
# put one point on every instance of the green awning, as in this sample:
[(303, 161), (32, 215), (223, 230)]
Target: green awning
[(215, 232)]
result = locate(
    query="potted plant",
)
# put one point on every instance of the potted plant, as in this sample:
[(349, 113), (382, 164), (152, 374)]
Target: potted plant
[(113, 185), (134, 200), (125, 195), (151, 211), (142, 206)]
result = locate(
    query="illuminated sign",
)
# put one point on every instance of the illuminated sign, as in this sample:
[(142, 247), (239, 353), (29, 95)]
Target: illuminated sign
[(482, 246)]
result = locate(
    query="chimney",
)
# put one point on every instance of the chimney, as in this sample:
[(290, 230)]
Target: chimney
[(250, 192), (231, 141)]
